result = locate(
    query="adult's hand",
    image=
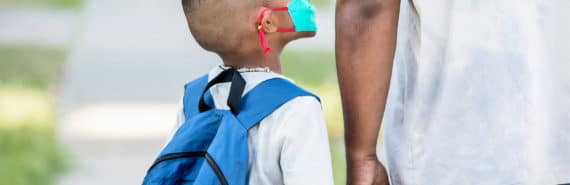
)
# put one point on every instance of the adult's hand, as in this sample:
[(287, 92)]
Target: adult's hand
[(367, 172), (365, 45)]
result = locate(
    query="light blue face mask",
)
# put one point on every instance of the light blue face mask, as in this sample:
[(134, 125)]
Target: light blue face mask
[(302, 14)]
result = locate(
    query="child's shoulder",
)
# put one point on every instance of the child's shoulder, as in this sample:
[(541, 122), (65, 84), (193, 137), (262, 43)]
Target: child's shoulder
[(260, 88), (302, 103), (300, 113), (280, 87)]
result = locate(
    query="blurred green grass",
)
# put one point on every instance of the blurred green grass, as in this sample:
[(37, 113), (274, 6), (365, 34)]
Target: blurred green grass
[(30, 153), (315, 70), (42, 3)]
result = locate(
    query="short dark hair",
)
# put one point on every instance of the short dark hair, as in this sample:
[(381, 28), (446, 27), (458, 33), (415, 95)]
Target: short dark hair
[(219, 25)]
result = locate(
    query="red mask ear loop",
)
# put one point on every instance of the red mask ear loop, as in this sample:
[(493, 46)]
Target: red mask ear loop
[(283, 29), (262, 38)]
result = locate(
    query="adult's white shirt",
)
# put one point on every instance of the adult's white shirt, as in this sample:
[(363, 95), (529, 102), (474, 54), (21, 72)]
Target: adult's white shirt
[(480, 93)]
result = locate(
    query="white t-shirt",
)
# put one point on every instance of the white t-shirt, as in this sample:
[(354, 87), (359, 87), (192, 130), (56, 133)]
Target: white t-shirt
[(290, 146), (480, 93)]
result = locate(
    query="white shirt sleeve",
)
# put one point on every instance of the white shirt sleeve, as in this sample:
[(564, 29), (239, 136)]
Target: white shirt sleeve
[(305, 154)]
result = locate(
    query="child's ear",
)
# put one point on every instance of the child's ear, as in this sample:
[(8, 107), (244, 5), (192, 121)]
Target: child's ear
[(268, 22)]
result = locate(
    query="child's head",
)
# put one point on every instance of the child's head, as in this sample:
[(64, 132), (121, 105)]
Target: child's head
[(231, 27)]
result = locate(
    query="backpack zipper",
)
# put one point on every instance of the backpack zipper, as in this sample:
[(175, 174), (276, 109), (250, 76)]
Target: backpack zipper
[(216, 169), (204, 154), (173, 156)]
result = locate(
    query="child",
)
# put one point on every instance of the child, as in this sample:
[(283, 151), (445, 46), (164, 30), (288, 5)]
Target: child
[(290, 145)]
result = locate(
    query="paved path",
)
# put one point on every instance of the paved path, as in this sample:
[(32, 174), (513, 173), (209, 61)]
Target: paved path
[(127, 66)]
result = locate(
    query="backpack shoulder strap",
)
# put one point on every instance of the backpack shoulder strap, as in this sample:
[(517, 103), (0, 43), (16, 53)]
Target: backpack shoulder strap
[(267, 97), (192, 94)]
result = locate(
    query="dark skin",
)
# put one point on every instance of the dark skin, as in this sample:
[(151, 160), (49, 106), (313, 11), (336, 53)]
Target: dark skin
[(365, 46), (276, 40), (239, 46)]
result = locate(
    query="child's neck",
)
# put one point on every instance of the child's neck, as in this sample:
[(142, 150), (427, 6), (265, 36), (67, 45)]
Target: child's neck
[(272, 60)]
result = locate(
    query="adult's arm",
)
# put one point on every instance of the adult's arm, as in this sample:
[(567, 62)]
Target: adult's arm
[(365, 46)]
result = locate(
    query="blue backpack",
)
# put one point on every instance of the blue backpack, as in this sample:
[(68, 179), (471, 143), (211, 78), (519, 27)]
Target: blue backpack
[(211, 148)]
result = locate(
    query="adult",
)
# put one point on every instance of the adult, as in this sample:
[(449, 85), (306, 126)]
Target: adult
[(479, 92)]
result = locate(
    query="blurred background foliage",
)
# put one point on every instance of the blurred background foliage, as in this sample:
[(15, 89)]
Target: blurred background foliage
[(30, 153), (322, 3)]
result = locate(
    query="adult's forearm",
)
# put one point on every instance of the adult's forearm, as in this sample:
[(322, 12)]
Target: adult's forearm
[(365, 45)]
